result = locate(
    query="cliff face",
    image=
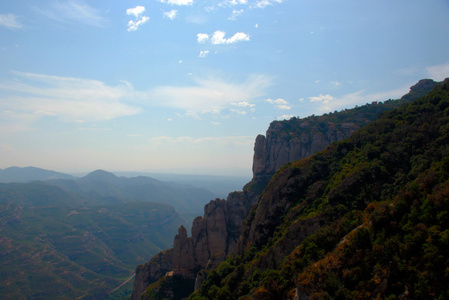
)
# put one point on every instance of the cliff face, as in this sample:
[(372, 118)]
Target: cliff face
[(150, 272), (214, 235)]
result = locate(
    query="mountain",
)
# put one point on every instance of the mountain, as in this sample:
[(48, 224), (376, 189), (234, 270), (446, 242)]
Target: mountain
[(366, 218), (105, 187), (16, 174), (56, 244), (215, 235)]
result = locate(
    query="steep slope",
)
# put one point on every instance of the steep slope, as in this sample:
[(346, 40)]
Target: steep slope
[(54, 244), (365, 218), (214, 235)]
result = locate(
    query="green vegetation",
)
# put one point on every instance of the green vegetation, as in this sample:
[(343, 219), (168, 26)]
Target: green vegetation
[(53, 245), (381, 199)]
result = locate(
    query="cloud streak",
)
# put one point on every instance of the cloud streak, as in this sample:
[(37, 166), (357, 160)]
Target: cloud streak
[(34, 96), (328, 103), (73, 11), (438, 72), (208, 95)]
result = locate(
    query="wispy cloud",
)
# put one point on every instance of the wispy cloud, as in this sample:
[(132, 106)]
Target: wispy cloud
[(208, 95), (202, 37), (170, 14), (327, 103), (177, 2), (438, 72), (264, 3), (284, 117), (218, 38), (280, 103), (203, 53), (321, 98), (33, 96), (139, 19), (73, 11), (236, 13), (10, 21)]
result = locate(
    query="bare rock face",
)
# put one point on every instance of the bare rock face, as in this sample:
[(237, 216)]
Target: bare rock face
[(213, 236), (283, 145), (152, 271)]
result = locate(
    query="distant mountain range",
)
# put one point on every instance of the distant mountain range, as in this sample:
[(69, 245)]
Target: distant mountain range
[(64, 237), (27, 174)]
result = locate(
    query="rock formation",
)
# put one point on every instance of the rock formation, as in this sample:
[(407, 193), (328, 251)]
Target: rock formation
[(216, 233)]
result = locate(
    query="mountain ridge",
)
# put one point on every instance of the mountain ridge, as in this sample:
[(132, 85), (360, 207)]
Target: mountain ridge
[(280, 137), (364, 218)]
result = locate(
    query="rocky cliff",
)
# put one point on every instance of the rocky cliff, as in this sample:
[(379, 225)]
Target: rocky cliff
[(215, 234), (366, 218)]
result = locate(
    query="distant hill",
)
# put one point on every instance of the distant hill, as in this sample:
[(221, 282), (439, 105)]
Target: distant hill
[(60, 245), (27, 174), (105, 187)]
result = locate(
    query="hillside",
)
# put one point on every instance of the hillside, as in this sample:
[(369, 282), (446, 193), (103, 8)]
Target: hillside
[(364, 218), (55, 244), (215, 235)]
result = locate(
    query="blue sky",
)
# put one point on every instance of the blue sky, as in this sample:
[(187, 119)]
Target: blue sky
[(185, 86)]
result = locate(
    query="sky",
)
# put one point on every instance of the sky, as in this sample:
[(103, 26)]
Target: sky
[(185, 86)]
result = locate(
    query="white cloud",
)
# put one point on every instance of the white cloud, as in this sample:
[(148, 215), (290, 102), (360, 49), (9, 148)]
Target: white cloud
[(284, 117), (10, 21), (218, 38), (32, 96), (177, 2), (139, 19), (438, 72), (328, 103), (203, 54), (202, 37), (264, 3), (136, 11), (134, 25), (170, 14), (280, 103), (73, 11), (233, 2), (321, 98), (336, 83), (238, 111), (243, 104), (208, 96), (235, 14)]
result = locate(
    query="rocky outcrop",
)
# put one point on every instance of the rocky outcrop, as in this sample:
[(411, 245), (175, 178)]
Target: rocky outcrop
[(213, 236), (152, 271), (281, 146)]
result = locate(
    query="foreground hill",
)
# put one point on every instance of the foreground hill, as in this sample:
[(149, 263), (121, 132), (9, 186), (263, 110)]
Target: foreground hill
[(55, 244), (365, 218), (215, 235)]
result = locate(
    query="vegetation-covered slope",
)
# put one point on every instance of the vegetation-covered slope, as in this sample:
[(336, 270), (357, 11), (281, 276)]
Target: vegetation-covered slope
[(56, 245), (366, 217)]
